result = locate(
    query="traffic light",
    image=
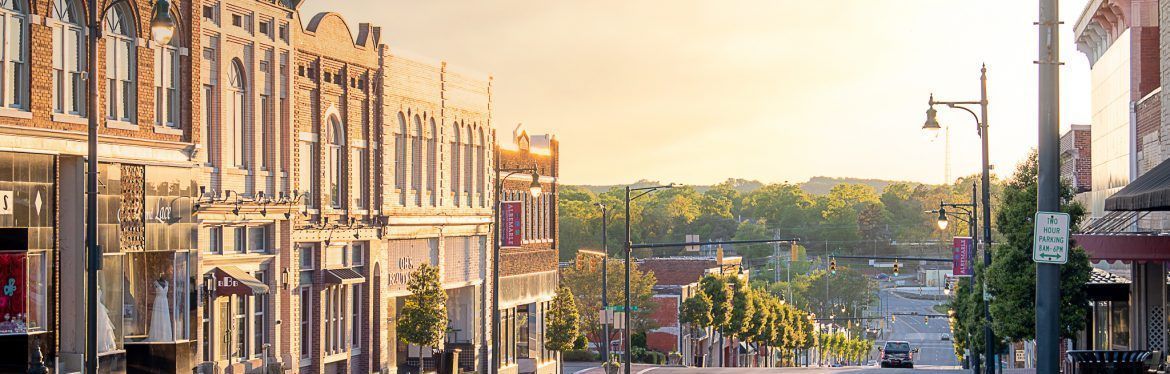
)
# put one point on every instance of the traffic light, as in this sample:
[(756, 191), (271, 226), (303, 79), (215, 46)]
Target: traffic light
[(926, 320), (896, 268), (893, 318), (833, 266)]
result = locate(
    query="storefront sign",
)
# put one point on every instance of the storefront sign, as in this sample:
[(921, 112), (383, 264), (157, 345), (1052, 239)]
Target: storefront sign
[(12, 297), (962, 248), (511, 224)]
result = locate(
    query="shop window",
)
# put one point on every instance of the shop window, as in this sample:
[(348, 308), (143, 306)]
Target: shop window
[(68, 58), (110, 297), (239, 327), (22, 279), (207, 331), (156, 296), (306, 321), (355, 317), (1119, 324), (121, 62)]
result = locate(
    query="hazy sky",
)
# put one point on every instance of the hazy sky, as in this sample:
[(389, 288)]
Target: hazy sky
[(775, 90)]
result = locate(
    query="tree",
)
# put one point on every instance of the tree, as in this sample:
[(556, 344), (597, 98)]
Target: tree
[(716, 289), (743, 307), (562, 322), (583, 278), (424, 313), (1012, 275), (696, 312)]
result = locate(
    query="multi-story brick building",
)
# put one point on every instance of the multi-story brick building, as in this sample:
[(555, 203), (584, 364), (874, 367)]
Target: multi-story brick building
[(247, 201), (1076, 158), (147, 156), (528, 273)]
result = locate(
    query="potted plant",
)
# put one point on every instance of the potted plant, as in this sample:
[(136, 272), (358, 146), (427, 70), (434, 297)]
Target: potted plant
[(674, 358), (613, 365)]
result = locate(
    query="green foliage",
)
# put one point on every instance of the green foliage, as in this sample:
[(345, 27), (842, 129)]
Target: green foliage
[(696, 311), (718, 291), (423, 320), (583, 278), (562, 321), (1012, 275), (578, 355), (743, 308)]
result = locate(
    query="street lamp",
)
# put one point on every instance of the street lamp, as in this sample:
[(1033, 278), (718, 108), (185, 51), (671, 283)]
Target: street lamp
[(535, 189), (629, 258), (981, 122), (931, 128), (162, 29), (605, 280), (942, 219)]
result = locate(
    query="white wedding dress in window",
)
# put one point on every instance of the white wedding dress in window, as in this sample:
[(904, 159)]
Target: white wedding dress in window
[(160, 315), (106, 339)]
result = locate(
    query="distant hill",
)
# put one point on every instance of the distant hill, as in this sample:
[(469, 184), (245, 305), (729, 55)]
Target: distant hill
[(815, 185)]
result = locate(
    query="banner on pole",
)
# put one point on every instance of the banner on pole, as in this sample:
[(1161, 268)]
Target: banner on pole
[(511, 224), (962, 249)]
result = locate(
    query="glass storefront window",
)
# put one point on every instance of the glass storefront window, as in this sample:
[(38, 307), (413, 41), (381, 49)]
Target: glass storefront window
[(1119, 323), (157, 291), (110, 310)]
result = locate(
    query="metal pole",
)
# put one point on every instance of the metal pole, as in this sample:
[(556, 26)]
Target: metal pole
[(93, 252), (988, 335), (605, 282), (629, 256), (493, 351), (973, 356), (1048, 187)]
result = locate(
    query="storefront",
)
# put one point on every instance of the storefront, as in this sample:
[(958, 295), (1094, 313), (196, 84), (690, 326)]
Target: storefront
[(28, 259)]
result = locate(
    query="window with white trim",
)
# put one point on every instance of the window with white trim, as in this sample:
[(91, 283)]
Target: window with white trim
[(14, 55), (121, 56), (166, 85), (433, 162), (400, 158), (455, 162), (236, 108), (68, 58), (259, 319), (416, 162), (468, 159), (336, 163)]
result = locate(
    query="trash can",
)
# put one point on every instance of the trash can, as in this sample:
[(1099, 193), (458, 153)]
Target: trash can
[(1108, 362)]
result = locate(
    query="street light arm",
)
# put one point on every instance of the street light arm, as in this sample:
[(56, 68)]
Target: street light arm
[(647, 190)]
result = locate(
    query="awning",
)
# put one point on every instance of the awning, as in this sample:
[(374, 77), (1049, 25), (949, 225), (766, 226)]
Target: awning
[(342, 276), (1149, 192), (230, 280), (1117, 247)]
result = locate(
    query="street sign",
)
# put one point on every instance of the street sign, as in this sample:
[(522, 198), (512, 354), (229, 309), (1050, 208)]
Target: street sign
[(621, 307), (1050, 245), (617, 319)]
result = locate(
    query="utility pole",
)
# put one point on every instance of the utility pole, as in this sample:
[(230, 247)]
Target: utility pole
[(1048, 186)]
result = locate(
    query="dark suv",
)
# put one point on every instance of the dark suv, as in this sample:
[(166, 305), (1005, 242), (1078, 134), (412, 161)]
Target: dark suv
[(898, 354)]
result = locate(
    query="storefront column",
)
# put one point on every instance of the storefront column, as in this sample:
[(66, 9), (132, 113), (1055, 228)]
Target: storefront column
[(1148, 320)]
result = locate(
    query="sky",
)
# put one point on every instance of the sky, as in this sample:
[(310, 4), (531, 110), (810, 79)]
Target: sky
[(697, 91)]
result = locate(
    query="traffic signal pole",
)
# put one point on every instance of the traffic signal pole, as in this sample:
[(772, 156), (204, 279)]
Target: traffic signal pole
[(1048, 186)]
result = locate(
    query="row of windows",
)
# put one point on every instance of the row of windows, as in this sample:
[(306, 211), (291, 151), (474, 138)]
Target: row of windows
[(69, 44), (467, 163), (231, 120), (538, 213), (244, 22)]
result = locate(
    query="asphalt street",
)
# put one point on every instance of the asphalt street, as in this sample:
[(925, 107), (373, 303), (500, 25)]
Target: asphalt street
[(935, 354)]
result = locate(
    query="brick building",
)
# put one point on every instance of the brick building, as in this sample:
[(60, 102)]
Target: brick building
[(528, 273), (678, 280), (147, 143), (247, 201), (1076, 158)]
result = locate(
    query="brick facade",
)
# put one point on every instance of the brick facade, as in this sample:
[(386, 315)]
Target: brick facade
[(1076, 158)]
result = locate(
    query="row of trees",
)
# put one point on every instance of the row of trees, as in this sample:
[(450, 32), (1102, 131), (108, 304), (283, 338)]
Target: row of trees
[(849, 218), (726, 305)]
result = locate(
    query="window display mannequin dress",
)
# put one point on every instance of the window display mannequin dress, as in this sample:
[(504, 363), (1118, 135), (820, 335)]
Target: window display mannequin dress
[(160, 315)]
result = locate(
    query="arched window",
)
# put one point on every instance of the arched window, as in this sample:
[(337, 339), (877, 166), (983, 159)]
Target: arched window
[(121, 52), (235, 108), (68, 58), (469, 160), (336, 162), (14, 32), (481, 168), (166, 83), (455, 148), (400, 158), (433, 162), (416, 160)]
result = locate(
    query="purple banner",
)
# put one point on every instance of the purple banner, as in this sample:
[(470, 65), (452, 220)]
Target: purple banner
[(511, 224), (962, 249)]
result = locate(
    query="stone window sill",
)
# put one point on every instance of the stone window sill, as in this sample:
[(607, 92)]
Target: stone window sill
[(70, 118), (118, 124), (168, 130), (15, 113)]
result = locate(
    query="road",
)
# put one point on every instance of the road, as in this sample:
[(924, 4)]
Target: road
[(927, 337), (935, 355)]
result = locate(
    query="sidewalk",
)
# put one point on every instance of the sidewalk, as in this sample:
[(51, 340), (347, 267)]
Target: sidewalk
[(920, 293)]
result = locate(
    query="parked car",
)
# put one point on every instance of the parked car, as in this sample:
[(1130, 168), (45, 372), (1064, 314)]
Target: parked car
[(898, 354)]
